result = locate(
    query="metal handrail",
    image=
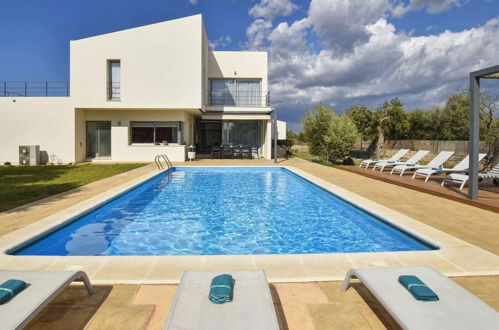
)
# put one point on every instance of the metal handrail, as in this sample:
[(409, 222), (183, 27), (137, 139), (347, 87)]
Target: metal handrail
[(158, 158)]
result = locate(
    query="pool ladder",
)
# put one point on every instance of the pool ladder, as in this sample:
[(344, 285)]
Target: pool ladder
[(158, 159)]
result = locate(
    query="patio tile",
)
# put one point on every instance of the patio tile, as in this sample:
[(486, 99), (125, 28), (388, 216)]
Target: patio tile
[(337, 316)]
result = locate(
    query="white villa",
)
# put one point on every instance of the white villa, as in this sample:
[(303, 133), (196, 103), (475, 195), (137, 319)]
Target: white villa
[(137, 93)]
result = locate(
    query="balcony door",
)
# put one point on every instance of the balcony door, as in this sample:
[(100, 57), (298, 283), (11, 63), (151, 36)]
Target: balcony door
[(98, 139)]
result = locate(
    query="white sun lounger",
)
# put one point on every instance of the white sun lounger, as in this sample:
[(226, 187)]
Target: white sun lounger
[(456, 309), (43, 287), (413, 160), (252, 306), (460, 167), (463, 178), (395, 158), (435, 162)]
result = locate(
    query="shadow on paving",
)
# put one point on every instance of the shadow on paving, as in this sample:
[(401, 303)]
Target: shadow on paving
[(72, 309)]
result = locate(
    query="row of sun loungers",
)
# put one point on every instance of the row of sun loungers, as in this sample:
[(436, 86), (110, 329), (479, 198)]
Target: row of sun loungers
[(457, 174), (416, 297)]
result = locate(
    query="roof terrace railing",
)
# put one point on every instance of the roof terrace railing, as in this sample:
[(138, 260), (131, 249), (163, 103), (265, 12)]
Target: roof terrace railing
[(34, 88)]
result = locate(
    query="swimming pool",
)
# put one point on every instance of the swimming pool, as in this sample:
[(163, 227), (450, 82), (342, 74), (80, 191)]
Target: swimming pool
[(224, 211)]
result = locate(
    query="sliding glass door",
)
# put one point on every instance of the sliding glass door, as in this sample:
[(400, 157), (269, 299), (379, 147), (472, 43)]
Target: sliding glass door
[(241, 132), (98, 139)]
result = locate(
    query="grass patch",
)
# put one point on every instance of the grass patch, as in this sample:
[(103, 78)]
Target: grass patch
[(20, 185)]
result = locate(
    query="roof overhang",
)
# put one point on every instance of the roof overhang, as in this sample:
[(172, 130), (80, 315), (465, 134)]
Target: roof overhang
[(234, 116)]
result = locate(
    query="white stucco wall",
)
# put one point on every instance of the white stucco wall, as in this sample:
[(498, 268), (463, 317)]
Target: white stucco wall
[(281, 130), (161, 66), (121, 149), (44, 121)]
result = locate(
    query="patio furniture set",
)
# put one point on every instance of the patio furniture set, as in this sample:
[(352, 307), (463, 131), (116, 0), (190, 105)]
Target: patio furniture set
[(234, 151), (458, 173)]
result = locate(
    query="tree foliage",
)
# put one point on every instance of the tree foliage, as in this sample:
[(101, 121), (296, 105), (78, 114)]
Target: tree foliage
[(330, 136)]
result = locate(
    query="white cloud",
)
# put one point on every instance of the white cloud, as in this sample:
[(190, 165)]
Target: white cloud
[(193, 2), (269, 9), (223, 41), (341, 24), (257, 34), (367, 63), (431, 6)]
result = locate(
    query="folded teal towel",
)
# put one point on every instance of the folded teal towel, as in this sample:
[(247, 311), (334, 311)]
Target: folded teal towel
[(221, 289), (436, 168), (375, 160), (10, 288), (417, 288), (411, 164), (390, 161)]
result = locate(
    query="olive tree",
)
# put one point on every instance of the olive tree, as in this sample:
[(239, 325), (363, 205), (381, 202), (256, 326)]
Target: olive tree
[(329, 135)]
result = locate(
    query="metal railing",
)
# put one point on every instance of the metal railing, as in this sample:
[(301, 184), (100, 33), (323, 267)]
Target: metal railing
[(114, 91), (34, 88), (160, 166), (239, 99)]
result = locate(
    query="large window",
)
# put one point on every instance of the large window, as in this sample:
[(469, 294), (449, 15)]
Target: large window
[(241, 132), (236, 92), (156, 132), (114, 80)]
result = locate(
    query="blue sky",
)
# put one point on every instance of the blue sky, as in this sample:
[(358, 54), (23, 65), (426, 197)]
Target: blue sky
[(337, 52)]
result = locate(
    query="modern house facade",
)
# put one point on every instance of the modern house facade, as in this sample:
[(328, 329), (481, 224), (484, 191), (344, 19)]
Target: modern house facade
[(137, 93)]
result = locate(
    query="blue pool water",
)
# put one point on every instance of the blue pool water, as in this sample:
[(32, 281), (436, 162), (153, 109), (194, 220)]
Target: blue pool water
[(208, 211)]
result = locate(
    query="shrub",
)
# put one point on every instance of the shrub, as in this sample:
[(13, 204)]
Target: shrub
[(330, 136), (7, 164)]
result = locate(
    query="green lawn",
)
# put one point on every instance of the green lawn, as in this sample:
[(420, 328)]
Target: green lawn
[(24, 184)]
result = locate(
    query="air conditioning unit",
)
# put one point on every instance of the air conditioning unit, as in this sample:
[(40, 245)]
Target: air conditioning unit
[(29, 155)]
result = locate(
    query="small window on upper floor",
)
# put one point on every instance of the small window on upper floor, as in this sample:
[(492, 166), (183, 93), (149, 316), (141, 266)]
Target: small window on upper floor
[(114, 80)]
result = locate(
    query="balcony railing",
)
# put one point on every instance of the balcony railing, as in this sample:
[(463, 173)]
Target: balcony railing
[(34, 88), (239, 99), (114, 91)]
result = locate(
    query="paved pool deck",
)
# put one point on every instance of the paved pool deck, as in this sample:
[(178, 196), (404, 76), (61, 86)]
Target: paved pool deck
[(469, 232)]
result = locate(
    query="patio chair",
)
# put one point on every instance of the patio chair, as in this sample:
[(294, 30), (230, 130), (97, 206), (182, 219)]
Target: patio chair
[(254, 150), (252, 306), (461, 167), (227, 150), (456, 308), (435, 162), (463, 178), (43, 287), (245, 150), (216, 150), (396, 157), (413, 160), (237, 151)]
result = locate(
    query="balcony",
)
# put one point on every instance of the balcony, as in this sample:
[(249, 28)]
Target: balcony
[(34, 88), (238, 99)]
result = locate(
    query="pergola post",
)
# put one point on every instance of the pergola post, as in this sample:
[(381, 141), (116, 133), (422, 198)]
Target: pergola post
[(474, 141), (275, 134)]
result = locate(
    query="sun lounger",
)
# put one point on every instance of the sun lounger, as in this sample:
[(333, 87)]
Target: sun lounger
[(435, 162), (43, 287), (252, 306), (461, 167), (463, 178), (413, 160), (396, 157), (456, 308)]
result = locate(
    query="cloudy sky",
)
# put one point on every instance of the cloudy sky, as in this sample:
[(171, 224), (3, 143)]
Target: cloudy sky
[(338, 52)]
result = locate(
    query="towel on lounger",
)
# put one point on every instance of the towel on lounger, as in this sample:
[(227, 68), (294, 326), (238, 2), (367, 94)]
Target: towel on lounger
[(411, 164), (390, 161), (221, 289), (10, 288), (417, 288), (375, 159), (436, 168)]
